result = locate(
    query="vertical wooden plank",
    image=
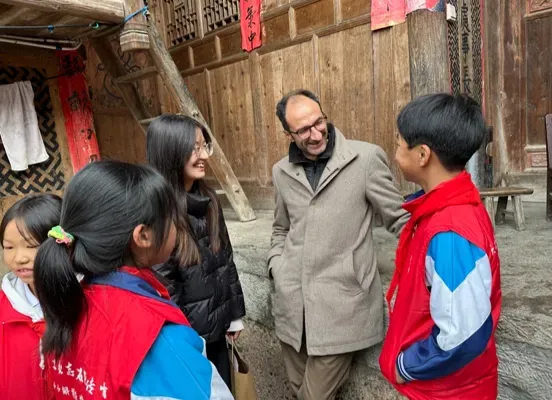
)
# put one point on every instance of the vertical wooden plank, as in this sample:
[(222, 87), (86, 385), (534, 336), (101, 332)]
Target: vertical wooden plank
[(337, 12), (316, 63), (384, 86), (196, 85), (508, 28), (217, 48), (210, 103), (346, 82), (539, 78), (401, 78), (199, 15), (233, 113), (261, 139), (191, 56), (292, 24)]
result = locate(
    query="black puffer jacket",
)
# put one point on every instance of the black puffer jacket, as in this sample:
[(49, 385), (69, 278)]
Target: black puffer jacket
[(210, 293)]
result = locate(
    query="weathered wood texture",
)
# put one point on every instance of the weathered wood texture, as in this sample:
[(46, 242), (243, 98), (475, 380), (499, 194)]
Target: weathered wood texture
[(100, 10), (134, 35), (518, 82), (21, 16), (427, 34), (119, 135)]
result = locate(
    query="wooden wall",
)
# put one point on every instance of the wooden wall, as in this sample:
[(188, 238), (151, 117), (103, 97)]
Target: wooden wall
[(362, 78), (119, 134), (518, 66)]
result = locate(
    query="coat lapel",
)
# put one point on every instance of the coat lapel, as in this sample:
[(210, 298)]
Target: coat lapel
[(297, 172), (343, 154)]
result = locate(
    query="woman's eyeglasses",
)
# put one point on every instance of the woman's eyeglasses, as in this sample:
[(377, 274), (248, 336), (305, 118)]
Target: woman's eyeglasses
[(208, 147)]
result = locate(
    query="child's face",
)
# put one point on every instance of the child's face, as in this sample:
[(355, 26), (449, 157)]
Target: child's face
[(19, 254), (407, 159), (168, 247), (144, 251)]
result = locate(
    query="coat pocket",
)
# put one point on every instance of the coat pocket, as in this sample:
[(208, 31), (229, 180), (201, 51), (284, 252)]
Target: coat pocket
[(354, 284)]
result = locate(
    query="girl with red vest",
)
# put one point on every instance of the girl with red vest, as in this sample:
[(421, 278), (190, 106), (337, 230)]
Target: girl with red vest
[(24, 227), (116, 334), (441, 338)]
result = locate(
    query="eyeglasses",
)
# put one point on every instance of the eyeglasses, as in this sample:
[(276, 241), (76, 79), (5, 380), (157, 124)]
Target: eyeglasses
[(208, 147), (305, 132)]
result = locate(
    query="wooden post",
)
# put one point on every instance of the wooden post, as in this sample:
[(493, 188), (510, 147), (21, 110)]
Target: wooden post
[(177, 88), (427, 38), (135, 31), (100, 10)]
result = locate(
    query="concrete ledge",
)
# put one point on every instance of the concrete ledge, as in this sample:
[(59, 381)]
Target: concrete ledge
[(524, 335)]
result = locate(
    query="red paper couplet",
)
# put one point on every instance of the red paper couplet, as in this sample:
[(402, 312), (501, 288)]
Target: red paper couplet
[(77, 110), (250, 23)]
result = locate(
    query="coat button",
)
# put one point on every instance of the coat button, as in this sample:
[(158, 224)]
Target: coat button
[(297, 174)]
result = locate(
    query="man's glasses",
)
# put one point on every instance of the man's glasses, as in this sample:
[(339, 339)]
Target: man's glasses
[(208, 147), (305, 132)]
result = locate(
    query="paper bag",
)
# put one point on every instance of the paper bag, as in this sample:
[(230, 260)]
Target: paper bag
[(243, 384)]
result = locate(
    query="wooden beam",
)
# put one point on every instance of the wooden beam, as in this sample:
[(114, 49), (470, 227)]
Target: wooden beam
[(110, 60), (100, 10), (144, 73), (427, 38), (177, 88)]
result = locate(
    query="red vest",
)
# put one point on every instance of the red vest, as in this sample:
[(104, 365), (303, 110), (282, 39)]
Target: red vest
[(115, 334), (20, 373), (410, 318)]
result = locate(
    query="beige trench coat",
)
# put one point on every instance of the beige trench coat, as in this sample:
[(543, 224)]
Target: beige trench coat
[(322, 256)]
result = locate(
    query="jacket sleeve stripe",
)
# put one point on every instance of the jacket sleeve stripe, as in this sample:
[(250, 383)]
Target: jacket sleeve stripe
[(459, 274), (175, 368)]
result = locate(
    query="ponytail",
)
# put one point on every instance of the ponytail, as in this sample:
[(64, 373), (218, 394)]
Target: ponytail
[(60, 293), (102, 205)]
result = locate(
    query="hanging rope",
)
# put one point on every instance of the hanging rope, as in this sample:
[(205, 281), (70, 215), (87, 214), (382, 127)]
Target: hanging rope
[(144, 10)]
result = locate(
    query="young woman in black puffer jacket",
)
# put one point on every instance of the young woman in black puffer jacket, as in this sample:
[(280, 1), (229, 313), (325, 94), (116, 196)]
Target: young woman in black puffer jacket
[(201, 276)]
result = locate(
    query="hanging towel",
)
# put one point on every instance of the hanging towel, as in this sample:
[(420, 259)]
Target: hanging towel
[(19, 126)]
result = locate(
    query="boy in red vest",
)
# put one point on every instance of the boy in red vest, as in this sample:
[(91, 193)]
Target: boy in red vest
[(441, 338)]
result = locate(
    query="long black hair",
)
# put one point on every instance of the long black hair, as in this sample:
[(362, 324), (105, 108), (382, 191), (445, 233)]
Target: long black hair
[(102, 205), (34, 215), (170, 142)]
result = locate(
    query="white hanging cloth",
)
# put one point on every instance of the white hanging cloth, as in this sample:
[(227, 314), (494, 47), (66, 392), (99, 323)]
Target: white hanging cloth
[(19, 129)]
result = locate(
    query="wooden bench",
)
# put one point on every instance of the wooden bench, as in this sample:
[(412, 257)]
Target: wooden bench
[(498, 214)]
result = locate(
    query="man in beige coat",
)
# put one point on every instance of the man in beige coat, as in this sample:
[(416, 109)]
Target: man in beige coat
[(328, 299)]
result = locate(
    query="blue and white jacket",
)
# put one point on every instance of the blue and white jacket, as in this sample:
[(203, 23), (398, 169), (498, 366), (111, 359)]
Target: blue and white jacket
[(458, 274)]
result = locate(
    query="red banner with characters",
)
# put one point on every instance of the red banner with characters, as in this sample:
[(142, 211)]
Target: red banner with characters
[(77, 110), (250, 23)]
